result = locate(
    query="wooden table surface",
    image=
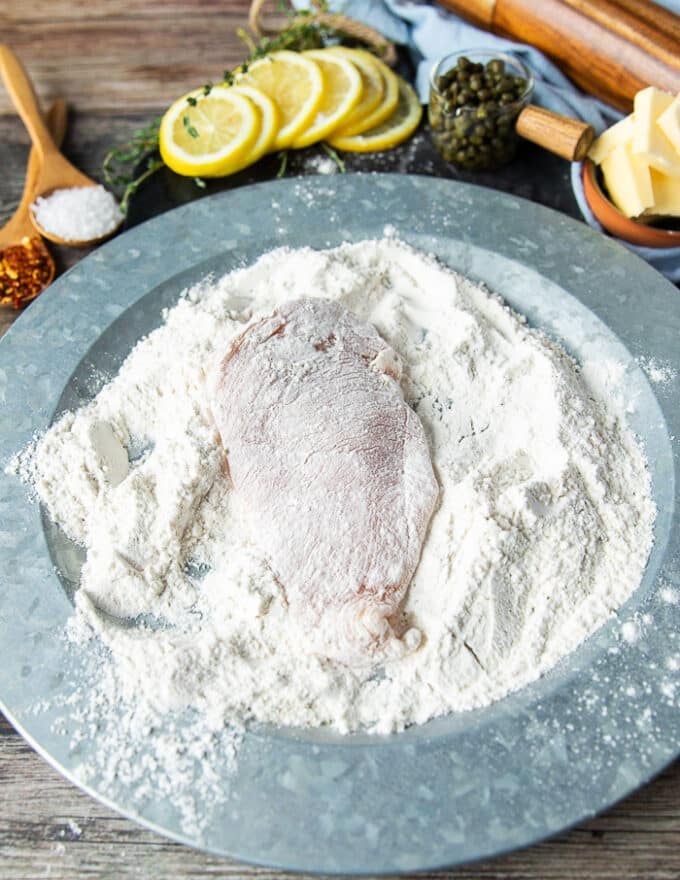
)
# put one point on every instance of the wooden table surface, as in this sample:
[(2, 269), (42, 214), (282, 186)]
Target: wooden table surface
[(119, 63)]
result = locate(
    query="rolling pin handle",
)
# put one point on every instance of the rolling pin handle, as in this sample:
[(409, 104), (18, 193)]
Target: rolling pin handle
[(568, 138)]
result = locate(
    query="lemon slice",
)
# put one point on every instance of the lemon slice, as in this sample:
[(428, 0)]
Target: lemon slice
[(372, 82), (208, 135), (269, 122), (388, 134), (342, 89), (387, 105), (294, 83)]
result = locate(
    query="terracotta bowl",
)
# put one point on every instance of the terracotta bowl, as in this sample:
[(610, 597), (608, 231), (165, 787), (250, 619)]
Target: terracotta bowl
[(617, 223)]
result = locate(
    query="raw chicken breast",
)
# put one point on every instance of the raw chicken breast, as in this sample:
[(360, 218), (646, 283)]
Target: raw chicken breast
[(334, 471)]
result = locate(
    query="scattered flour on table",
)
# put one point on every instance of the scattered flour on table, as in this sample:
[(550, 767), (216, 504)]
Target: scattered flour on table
[(660, 372), (543, 528)]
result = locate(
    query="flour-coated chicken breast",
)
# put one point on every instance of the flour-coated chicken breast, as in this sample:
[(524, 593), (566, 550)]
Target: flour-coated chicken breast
[(333, 469)]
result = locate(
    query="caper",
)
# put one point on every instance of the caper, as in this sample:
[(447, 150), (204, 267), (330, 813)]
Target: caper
[(469, 123)]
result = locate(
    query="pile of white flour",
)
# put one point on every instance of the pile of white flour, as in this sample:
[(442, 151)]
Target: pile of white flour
[(543, 527)]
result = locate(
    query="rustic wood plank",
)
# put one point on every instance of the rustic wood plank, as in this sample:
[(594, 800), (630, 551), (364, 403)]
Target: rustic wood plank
[(104, 10), (149, 54), (143, 64)]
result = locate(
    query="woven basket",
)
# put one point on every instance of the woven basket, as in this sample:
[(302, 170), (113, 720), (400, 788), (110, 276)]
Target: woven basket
[(357, 29)]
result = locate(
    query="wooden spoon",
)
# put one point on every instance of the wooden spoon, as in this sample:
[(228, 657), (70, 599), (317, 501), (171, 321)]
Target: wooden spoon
[(19, 234), (54, 171)]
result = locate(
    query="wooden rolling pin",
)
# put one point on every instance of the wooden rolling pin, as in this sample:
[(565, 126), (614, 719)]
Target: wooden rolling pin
[(610, 48)]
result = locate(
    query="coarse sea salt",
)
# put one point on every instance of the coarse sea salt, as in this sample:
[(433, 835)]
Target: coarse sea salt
[(78, 213)]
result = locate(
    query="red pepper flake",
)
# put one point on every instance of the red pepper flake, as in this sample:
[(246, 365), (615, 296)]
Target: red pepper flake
[(25, 270)]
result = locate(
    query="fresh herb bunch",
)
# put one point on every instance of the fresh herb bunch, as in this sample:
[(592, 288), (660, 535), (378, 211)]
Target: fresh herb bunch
[(121, 163)]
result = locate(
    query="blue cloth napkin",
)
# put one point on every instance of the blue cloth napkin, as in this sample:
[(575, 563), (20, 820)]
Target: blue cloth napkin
[(431, 32)]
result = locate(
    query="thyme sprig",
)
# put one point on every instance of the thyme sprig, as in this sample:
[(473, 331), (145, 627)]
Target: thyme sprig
[(330, 152), (192, 131), (283, 164)]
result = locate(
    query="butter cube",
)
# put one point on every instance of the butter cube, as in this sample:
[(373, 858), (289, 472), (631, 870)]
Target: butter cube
[(628, 180), (649, 141), (669, 123), (666, 195), (618, 134)]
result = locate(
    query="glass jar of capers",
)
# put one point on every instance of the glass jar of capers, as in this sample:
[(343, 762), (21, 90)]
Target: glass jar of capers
[(475, 99)]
